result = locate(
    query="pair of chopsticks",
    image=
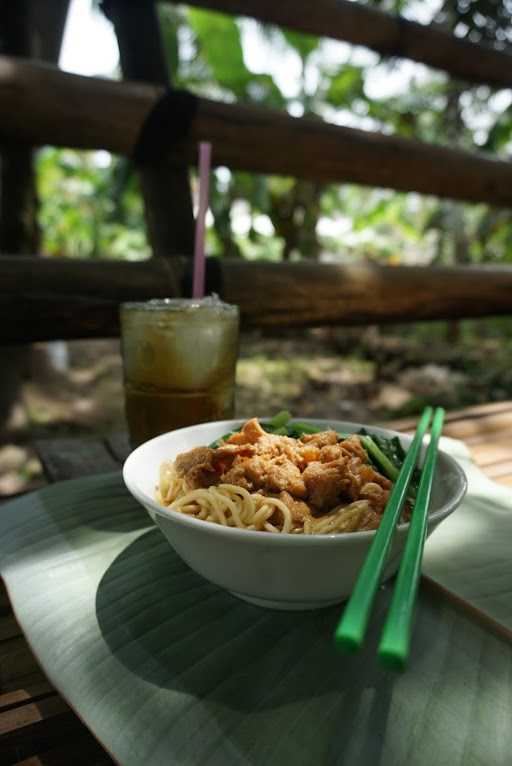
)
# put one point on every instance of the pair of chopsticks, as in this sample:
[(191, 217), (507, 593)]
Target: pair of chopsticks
[(393, 649)]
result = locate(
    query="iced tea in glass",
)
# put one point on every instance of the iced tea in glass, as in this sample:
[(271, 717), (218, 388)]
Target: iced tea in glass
[(179, 361)]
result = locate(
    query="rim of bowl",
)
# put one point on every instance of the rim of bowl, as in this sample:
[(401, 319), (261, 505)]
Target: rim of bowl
[(284, 538)]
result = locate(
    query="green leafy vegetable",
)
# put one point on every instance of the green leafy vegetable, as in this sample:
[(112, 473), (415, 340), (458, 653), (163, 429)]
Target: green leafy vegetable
[(387, 455), (221, 440), (295, 430), (279, 421), (379, 457)]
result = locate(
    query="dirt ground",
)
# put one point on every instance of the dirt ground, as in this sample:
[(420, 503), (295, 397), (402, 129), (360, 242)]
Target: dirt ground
[(351, 375)]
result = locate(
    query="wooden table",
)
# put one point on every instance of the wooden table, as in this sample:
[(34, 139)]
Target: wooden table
[(37, 727)]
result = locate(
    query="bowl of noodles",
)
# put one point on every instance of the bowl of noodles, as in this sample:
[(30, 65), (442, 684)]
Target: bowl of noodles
[(280, 512)]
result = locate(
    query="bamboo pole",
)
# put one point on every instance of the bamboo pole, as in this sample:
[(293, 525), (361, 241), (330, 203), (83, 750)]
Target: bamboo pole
[(26, 30), (387, 34), (80, 299), (165, 185), (42, 105)]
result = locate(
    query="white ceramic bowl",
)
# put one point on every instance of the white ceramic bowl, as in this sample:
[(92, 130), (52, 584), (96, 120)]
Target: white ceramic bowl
[(276, 571)]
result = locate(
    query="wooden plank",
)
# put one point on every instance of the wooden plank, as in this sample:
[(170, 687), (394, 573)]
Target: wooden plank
[(26, 694), (466, 413), (498, 471), (19, 680), (17, 719), (485, 429), (493, 452), (165, 184), (18, 665), (59, 294), (9, 627), (81, 752), (387, 34), (479, 410), (33, 728), (43, 105), (20, 674), (477, 428), (70, 458), (473, 443), (482, 430), (5, 604), (505, 480)]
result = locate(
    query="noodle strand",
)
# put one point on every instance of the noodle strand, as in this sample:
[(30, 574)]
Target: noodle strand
[(233, 506)]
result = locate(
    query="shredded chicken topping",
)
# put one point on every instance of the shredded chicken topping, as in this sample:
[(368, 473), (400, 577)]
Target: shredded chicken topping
[(315, 476)]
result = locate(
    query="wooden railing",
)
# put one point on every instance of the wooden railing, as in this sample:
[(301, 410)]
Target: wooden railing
[(43, 105), (80, 299), (385, 33)]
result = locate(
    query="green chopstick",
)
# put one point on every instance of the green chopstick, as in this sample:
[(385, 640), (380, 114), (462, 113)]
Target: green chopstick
[(396, 637), (350, 632)]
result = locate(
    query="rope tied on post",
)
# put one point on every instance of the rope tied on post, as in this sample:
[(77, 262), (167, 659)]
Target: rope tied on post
[(168, 123)]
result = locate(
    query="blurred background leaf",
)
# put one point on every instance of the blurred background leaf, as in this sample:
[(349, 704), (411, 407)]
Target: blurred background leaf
[(90, 202)]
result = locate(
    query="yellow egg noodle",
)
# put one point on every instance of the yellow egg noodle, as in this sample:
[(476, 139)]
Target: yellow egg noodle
[(233, 506)]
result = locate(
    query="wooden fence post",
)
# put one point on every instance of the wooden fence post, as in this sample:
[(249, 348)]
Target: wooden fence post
[(18, 224), (31, 30), (165, 186)]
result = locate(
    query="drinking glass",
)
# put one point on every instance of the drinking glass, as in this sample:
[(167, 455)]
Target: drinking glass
[(179, 363)]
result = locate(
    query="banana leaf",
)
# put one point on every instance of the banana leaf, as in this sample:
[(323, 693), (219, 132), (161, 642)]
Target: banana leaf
[(165, 668)]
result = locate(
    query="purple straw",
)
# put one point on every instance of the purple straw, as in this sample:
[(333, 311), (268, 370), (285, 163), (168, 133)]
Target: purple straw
[(205, 151)]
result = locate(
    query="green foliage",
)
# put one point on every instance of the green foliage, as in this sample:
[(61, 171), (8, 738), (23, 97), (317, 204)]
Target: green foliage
[(304, 44), (479, 20), (218, 41), (90, 209), (500, 135), (170, 23), (345, 86)]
